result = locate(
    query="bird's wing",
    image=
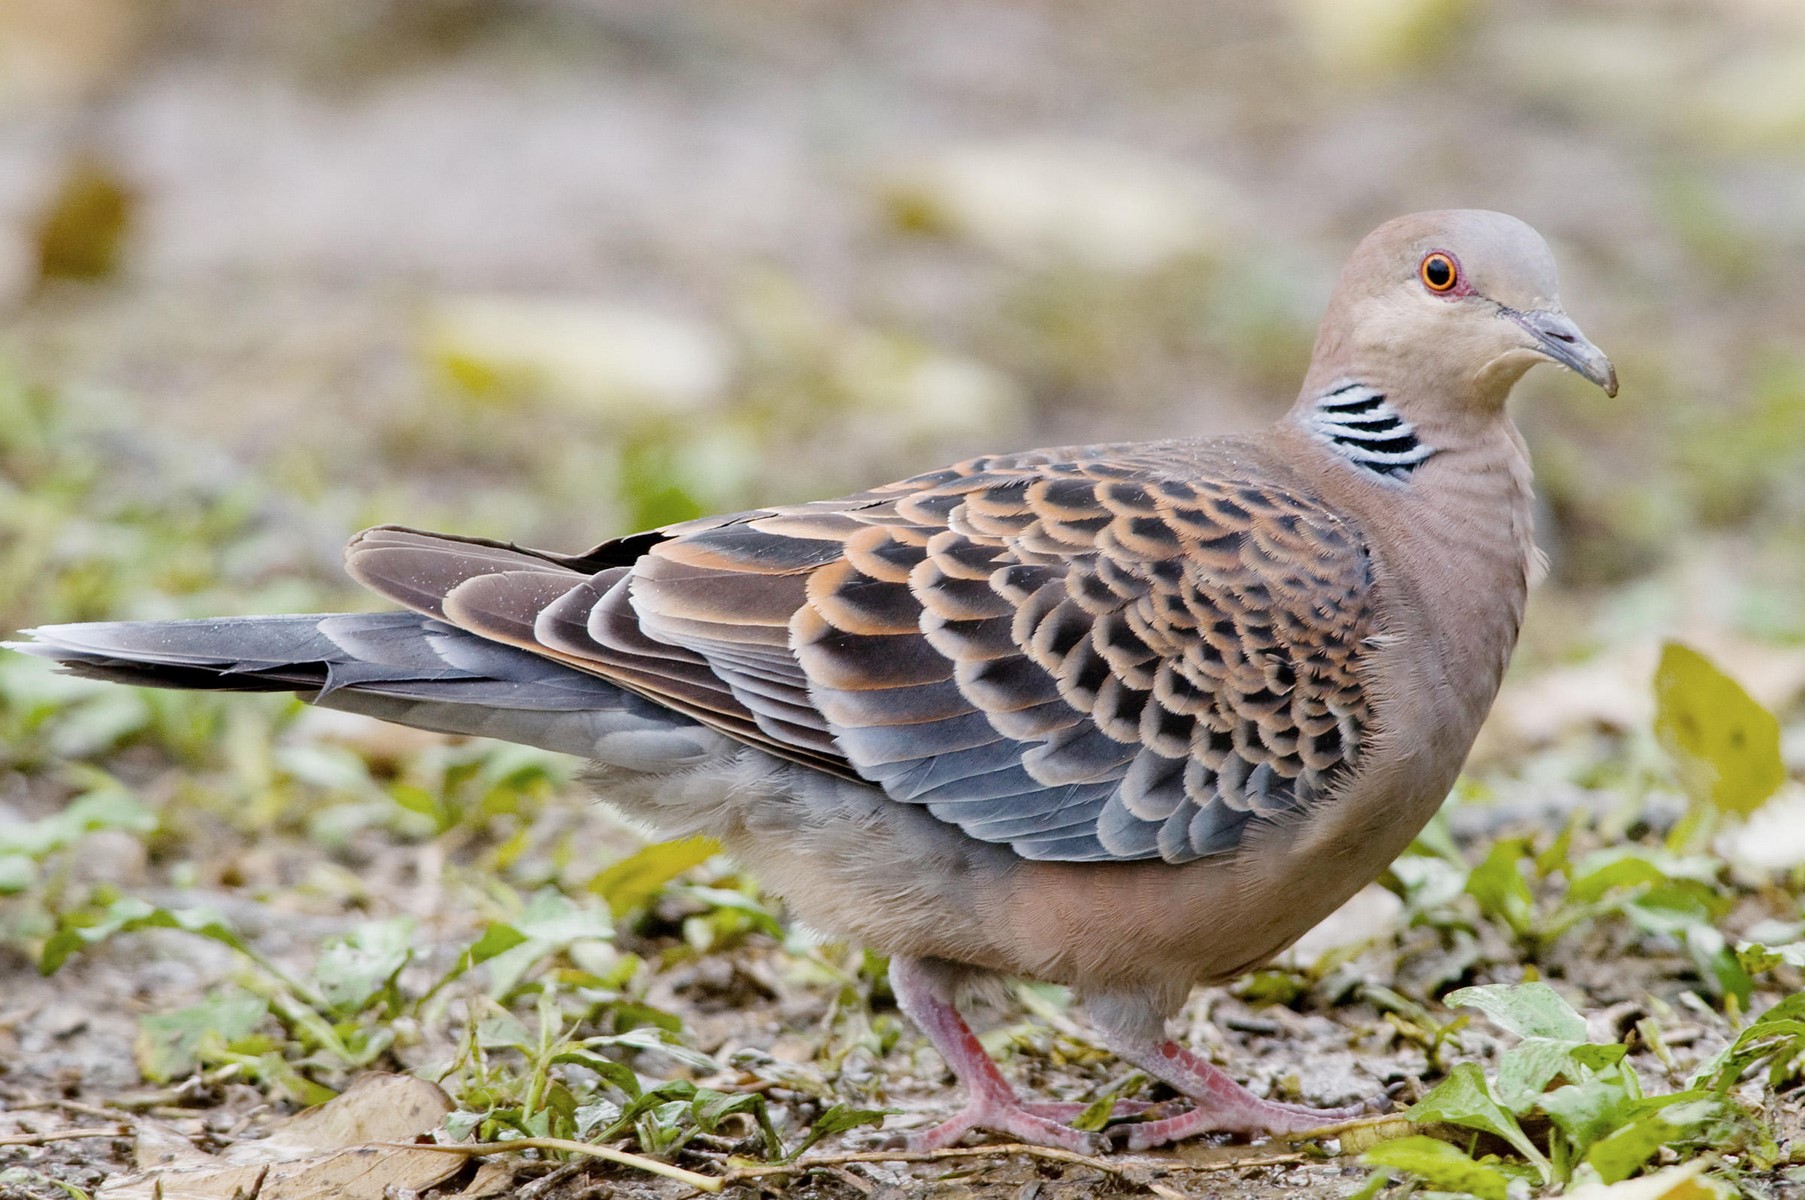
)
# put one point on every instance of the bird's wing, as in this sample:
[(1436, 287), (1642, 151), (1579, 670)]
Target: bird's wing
[(1082, 656)]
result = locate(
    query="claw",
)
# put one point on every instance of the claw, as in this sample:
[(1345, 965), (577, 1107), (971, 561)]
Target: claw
[(1012, 1121), (1219, 1104)]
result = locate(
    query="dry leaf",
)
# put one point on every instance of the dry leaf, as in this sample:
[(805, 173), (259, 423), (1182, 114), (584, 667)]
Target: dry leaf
[(492, 1179), (159, 1147), (325, 1153), (376, 1108), (1360, 1136)]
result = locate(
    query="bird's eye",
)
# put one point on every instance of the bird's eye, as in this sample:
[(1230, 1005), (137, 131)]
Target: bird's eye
[(1439, 272)]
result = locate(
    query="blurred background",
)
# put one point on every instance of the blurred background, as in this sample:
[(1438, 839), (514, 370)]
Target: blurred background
[(556, 269)]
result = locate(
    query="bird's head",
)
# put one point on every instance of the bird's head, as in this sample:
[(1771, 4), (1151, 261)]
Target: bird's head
[(1454, 305)]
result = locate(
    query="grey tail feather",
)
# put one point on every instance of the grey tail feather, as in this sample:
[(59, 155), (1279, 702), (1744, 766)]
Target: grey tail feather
[(398, 666)]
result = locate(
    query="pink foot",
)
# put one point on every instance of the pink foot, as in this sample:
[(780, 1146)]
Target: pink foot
[(1219, 1104), (923, 992), (1268, 1118), (1011, 1119)]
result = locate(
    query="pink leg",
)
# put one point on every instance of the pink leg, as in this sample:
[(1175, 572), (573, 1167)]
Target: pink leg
[(1219, 1104), (990, 1102)]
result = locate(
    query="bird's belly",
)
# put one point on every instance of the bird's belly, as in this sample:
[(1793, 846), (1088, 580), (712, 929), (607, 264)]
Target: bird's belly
[(1156, 925), (847, 860), (853, 863)]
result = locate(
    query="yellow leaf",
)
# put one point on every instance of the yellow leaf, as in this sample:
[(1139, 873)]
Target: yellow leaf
[(1688, 1182), (82, 233), (1725, 746), (635, 879)]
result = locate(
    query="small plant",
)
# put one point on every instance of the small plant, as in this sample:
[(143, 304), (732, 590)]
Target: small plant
[(31, 849), (1538, 890), (1563, 1109), (304, 1031), (555, 1084)]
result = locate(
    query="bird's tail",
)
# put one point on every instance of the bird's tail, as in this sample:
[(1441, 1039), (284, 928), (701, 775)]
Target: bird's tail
[(397, 666)]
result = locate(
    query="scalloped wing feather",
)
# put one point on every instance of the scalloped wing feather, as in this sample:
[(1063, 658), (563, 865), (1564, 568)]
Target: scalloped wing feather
[(1088, 655)]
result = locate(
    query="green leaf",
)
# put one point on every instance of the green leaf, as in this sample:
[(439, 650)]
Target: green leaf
[(1597, 875), (616, 1074), (1465, 1099), (1623, 1152), (356, 968), (1757, 959), (550, 924), (108, 806), (1777, 1034), (1591, 1109), (664, 1041), (558, 1110), (728, 900), (16, 874), (591, 1117), (501, 1029), (1096, 1114), (128, 915), (1500, 888), (634, 880), (1597, 1057), (1443, 1167), (630, 1015), (329, 768), (1725, 746), (1429, 883), (170, 1044), (417, 800), (1530, 1010), (709, 1108), (837, 1119), (496, 939), (676, 1090), (1527, 1068), (1718, 964)]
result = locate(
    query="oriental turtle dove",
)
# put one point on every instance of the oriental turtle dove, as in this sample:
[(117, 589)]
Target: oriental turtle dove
[(1130, 717)]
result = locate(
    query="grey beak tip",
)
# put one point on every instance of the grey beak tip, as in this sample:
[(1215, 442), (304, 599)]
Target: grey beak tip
[(1559, 339)]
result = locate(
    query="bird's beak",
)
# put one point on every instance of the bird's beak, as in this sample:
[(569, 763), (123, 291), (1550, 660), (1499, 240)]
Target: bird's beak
[(1560, 339)]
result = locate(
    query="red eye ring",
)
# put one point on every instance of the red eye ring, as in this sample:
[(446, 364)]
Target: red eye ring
[(1439, 272)]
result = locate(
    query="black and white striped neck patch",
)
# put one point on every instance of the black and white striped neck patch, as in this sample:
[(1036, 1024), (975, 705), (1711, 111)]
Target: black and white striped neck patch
[(1360, 424)]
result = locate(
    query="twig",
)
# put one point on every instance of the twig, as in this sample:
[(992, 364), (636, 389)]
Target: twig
[(1323, 1133), (857, 1183), (1133, 1171), (1243, 1164), (549, 1180), (119, 1115), (702, 1183), (62, 1135)]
